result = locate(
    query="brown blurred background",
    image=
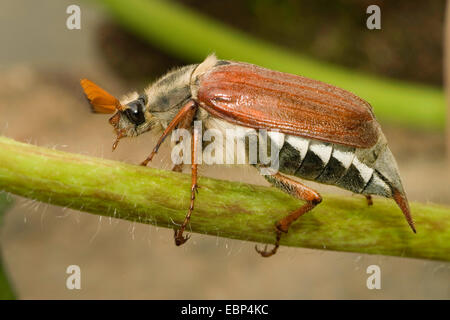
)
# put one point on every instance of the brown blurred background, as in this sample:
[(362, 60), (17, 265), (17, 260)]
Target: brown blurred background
[(41, 63)]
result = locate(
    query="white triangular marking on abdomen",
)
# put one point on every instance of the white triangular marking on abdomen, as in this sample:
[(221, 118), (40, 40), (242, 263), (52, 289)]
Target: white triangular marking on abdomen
[(298, 143), (322, 150), (364, 171), (277, 138), (344, 156)]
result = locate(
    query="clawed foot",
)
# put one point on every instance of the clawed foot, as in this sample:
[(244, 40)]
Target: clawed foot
[(179, 239), (177, 168), (369, 200), (265, 253), (144, 163)]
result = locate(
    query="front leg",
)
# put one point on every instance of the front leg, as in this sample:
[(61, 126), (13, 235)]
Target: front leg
[(297, 190), (184, 117), (179, 239)]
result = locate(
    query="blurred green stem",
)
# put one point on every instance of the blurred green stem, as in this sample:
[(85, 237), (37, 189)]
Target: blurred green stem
[(223, 208), (6, 290), (191, 36)]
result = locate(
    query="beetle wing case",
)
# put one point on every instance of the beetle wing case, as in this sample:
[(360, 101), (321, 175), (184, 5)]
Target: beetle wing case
[(256, 97)]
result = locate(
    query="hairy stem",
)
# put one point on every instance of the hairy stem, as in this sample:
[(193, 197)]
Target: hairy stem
[(227, 209), (6, 290)]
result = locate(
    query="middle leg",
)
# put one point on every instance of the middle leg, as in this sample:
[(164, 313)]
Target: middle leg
[(179, 239), (369, 199)]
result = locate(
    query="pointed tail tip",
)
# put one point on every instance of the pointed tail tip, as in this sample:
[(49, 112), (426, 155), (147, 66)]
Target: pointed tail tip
[(402, 202), (411, 224)]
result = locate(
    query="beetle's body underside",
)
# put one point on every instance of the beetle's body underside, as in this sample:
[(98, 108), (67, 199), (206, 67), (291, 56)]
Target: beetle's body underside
[(324, 133), (332, 164)]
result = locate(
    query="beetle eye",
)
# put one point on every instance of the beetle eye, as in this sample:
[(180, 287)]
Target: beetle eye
[(135, 111)]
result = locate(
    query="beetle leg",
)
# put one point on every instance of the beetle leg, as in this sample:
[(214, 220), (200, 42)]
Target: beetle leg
[(177, 167), (298, 190), (179, 239), (369, 199), (185, 123), (186, 112)]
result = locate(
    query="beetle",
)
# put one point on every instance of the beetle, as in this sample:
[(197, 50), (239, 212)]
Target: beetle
[(326, 134)]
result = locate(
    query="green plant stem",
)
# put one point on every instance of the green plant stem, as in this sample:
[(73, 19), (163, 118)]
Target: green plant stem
[(191, 36), (223, 208), (6, 289)]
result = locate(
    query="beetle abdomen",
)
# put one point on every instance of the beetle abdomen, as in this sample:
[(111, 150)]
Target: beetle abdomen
[(329, 163)]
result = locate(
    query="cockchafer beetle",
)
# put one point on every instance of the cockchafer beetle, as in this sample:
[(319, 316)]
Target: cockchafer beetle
[(328, 135)]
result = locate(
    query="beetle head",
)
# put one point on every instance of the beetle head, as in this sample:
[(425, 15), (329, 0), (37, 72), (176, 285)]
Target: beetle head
[(131, 116)]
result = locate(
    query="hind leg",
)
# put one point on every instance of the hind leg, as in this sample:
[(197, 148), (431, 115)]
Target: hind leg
[(295, 189)]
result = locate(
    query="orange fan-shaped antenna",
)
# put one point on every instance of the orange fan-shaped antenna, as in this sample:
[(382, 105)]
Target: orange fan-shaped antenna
[(100, 100)]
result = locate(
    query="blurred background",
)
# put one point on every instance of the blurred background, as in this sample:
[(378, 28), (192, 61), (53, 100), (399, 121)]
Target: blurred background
[(124, 45)]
